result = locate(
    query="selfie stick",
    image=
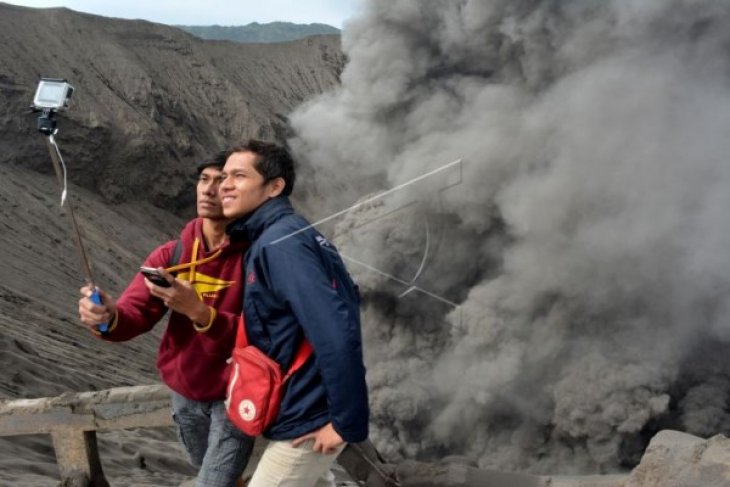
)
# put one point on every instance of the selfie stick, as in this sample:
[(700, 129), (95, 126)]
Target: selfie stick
[(47, 126)]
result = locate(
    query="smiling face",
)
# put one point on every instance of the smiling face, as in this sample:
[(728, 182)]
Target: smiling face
[(209, 202), (243, 188)]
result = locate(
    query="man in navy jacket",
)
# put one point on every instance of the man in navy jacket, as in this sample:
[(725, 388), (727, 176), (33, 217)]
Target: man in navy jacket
[(296, 288)]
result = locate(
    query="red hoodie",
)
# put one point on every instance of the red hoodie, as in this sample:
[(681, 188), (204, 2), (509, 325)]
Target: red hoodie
[(191, 363)]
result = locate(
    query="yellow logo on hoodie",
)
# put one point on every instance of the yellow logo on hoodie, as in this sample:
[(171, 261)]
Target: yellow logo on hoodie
[(206, 286)]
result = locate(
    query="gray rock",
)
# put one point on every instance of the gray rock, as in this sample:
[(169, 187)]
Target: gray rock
[(675, 459)]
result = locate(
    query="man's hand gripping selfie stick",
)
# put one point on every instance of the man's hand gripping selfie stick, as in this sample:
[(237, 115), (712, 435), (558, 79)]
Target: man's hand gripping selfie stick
[(53, 95)]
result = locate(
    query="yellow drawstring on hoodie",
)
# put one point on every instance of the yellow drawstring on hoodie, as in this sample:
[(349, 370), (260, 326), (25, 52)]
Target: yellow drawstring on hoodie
[(194, 262), (192, 265)]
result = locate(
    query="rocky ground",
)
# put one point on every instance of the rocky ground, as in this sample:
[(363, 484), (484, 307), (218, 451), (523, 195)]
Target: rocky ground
[(149, 98)]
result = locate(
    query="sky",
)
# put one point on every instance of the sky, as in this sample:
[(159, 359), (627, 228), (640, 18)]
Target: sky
[(221, 12)]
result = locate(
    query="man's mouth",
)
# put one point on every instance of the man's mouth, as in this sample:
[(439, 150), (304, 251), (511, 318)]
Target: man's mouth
[(227, 199)]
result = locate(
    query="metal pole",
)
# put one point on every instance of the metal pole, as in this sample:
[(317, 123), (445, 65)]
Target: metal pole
[(60, 168), (57, 161)]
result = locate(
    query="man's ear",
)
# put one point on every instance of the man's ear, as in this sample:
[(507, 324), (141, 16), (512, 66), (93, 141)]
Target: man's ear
[(276, 186)]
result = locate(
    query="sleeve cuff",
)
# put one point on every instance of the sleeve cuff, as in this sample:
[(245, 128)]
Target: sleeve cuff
[(112, 326), (202, 329)]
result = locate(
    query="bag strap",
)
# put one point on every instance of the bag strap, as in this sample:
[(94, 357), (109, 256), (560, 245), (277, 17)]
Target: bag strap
[(303, 354), (176, 253), (305, 351)]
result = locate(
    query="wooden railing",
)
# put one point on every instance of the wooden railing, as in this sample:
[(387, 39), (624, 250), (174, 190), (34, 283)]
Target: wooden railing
[(73, 419)]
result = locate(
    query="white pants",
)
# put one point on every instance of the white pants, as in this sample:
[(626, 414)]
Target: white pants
[(282, 465)]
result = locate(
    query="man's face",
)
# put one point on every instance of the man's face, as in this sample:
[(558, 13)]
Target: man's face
[(243, 188), (209, 202)]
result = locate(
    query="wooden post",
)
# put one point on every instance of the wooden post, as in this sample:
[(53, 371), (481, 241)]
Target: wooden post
[(77, 457)]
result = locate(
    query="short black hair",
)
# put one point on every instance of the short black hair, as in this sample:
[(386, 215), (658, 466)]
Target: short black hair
[(217, 160), (272, 161)]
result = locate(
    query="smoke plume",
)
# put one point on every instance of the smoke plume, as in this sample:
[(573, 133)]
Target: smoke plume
[(565, 292)]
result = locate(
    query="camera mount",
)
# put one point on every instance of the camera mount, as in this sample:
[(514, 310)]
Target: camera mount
[(47, 122)]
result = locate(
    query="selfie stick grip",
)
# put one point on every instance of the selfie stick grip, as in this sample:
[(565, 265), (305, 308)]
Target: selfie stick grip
[(96, 299)]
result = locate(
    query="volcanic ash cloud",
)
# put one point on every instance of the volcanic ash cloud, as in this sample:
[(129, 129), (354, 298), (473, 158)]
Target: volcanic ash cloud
[(576, 274)]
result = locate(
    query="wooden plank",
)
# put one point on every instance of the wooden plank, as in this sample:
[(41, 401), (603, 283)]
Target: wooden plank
[(30, 424)]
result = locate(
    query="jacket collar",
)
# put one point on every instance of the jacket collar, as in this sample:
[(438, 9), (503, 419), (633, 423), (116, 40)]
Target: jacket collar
[(252, 226)]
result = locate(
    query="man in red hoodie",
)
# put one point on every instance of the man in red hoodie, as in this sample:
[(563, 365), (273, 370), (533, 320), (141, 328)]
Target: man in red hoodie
[(205, 300)]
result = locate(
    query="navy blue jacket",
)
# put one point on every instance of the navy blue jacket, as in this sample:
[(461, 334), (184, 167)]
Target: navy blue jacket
[(296, 287)]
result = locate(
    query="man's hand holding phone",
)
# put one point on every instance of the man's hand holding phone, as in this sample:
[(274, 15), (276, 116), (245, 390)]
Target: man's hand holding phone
[(156, 276), (177, 294)]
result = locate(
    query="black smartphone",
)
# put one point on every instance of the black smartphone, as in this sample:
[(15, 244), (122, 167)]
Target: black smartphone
[(154, 276)]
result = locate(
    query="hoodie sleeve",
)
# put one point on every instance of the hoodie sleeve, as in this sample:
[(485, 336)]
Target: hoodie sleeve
[(303, 278), (137, 310)]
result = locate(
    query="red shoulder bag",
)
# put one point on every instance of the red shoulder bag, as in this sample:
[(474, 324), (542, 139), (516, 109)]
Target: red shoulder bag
[(256, 384)]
